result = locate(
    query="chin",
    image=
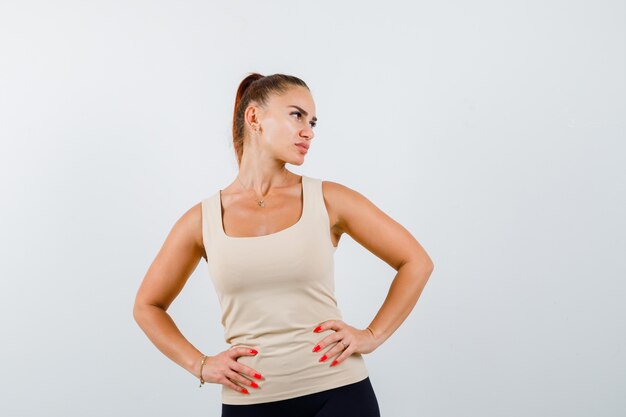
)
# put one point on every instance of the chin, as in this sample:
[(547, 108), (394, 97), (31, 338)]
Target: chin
[(296, 162)]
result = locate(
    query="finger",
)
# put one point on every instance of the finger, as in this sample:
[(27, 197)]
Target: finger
[(242, 380), (334, 351), (327, 341), (342, 357), (243, 351), (245, 370), (229, 377), (328, 325)]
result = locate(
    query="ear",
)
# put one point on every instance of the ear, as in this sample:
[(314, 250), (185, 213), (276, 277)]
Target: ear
[(252, 115)]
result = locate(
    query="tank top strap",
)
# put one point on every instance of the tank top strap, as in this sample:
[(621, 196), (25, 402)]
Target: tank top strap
[(318, 217), (308, 191), (313, 198)]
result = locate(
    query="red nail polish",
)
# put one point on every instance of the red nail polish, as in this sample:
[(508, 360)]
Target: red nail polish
[(323, 358), (258, 376), (245, 391), (334, 363), (317, 329), (254, 384), (253, 351), (316, 348)]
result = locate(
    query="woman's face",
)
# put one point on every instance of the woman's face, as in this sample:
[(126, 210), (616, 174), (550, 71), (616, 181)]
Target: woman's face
[(287, 121)]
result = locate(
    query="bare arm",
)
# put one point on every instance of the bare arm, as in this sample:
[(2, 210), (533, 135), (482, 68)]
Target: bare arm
[(166, 277), (355, 215)]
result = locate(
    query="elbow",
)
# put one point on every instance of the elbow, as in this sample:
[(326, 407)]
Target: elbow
[(427, 263), (139, 311), (423, 264), (429, 267), (426, 269), (136, 312)]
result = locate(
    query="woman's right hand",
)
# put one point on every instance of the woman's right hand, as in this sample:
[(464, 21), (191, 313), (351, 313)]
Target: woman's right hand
[(224, 369)]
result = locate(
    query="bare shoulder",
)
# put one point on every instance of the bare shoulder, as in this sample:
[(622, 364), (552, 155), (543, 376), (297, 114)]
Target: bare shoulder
[(352, 213), (175, 261), (333, 192), (187, 230), (188, 227), (193, 221), (339, 200)]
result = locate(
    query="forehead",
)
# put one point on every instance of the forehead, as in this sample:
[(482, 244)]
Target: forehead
[(298, 96)]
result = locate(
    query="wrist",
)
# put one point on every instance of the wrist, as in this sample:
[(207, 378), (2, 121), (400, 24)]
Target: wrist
[(373, 333), (196, 364)]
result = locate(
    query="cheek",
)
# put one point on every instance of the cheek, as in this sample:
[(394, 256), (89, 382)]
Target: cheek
[(280, 136), (279, 130), (284, 134)]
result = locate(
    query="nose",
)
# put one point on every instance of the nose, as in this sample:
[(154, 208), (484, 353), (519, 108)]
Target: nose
[(307, 133)]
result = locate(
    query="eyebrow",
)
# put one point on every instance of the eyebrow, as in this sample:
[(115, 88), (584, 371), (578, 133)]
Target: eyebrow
[(303, 112)]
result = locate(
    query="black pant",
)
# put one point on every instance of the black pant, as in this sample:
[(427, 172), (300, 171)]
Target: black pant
[(357, 399)]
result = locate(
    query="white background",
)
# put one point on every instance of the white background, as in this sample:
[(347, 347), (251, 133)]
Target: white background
[(493, 131)]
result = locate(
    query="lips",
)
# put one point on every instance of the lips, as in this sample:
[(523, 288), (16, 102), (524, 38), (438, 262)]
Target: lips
[(303, 145)]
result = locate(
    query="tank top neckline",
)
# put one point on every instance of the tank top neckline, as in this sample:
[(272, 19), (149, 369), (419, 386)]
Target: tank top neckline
[(303, 185)]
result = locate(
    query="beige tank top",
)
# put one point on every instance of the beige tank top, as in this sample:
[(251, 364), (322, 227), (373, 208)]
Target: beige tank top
[(273, 291)]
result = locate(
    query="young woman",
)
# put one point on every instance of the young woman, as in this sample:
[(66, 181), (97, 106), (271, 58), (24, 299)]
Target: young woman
[(269, 239)]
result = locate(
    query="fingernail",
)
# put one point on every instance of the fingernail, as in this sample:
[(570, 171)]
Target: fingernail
[(334, 363), (245, 391), (323, 358), (254, 384), (317, 329), (258, 376), (253, 351), (316, 348)]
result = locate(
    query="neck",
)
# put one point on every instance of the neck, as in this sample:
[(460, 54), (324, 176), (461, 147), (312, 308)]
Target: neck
[(261, 179)]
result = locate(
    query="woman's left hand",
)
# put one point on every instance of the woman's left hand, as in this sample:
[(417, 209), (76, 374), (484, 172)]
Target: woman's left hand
[(347, 339)]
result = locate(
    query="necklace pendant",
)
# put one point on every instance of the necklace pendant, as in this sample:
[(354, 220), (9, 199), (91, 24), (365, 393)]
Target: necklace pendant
[(261, 203)]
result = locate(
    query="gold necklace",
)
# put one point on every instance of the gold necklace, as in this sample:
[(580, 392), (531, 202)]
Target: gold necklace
[(261, 203)]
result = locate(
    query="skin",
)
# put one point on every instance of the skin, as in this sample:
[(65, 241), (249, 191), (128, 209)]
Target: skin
[(263, 174)]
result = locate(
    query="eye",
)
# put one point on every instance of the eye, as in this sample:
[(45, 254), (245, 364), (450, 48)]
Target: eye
[(313, 124)]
